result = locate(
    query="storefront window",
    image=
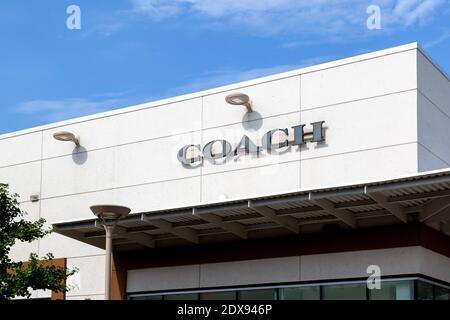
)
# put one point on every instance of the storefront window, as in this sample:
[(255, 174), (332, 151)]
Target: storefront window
[(301, 293), (390, 290), (153, 297), (393, 290), (345, 292), (424, 290), (182, 296), (261, 294), (220, 295), (441, 293)]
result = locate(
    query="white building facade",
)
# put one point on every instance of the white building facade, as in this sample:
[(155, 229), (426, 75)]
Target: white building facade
[(219, 223)]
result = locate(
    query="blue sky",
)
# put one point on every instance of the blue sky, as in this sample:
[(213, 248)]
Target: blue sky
[(134, 51)]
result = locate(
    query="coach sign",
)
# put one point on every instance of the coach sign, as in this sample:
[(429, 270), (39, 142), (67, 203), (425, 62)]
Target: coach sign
[(192, 155)]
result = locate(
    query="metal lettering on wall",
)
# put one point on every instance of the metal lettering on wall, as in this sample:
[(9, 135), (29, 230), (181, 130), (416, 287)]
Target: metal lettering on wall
[(192, 155)]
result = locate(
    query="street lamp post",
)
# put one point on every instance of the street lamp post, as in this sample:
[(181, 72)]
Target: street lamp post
[(109, 215), (109, 229)]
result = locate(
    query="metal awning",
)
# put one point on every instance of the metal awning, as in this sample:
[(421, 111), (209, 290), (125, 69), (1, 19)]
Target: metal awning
[(424, 198)]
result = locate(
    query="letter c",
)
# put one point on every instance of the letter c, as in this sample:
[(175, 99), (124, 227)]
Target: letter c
[(267, 140), (182, 153)]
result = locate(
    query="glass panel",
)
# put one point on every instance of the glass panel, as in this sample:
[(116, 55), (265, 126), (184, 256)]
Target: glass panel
[(301, 293), (390, 290), (441, 293), (261, 294), (393, 290), (154, 297), (345, 292), (424, 290), (221, 295), (182, 296)]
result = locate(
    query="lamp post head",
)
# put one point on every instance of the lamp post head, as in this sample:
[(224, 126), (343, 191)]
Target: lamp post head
[(108, 212), (239, 99), (67, 136)]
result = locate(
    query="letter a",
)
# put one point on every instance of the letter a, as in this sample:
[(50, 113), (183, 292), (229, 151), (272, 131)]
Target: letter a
[(374, 20), (374, 279), (74, 20)]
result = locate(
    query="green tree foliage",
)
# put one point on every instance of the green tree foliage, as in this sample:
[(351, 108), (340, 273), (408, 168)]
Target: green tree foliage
[(17, 278)]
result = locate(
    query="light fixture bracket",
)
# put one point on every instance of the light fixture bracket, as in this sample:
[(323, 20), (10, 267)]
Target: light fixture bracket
[(67, 136), (240, 99)]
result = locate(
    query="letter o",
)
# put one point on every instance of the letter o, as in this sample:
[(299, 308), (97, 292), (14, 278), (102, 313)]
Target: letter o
[(208, 150)]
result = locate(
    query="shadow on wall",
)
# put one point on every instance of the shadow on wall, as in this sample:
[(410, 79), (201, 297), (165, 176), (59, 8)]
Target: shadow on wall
[(252, 121), (79, 155)]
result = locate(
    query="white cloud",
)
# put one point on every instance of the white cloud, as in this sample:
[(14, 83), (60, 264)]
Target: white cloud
[(338, 18), (404, 7), (409, 12), (223, 77), (443, 37), (56, 110), (158, 9)]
